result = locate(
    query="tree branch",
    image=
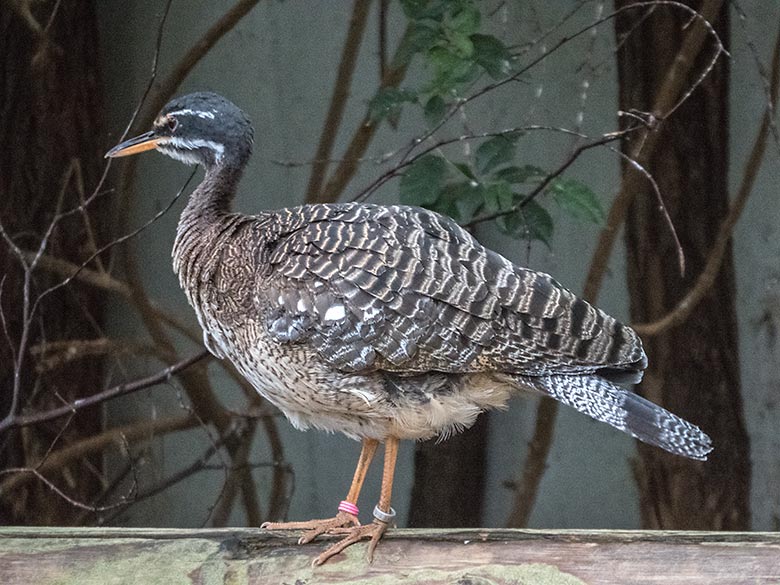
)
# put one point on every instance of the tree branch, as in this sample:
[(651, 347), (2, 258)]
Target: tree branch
[(107, 282), (667, 99), (712, 268), (535, 464), (97, 443), (109, 394), (233, 484), (195, 382), (360, 141), (338, 100), (198, 465)]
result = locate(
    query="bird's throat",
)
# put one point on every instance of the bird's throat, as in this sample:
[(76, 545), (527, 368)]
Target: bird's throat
[(214, 196)]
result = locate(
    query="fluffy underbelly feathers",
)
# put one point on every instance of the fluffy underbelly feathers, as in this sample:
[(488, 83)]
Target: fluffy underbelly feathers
[(371, 405)]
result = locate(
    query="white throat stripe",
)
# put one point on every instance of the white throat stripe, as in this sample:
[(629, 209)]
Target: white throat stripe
[(216, 147)]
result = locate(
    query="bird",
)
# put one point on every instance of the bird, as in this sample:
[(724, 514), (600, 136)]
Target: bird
[(383, 322)]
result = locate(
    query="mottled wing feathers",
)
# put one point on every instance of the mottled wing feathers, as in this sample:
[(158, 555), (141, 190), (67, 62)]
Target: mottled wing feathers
[(403, 289)]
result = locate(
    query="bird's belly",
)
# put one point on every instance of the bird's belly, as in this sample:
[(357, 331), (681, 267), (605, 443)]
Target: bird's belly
[(375, 405), (310, 394)]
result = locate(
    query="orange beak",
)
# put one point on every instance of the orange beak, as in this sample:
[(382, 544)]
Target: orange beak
[(146, 141)]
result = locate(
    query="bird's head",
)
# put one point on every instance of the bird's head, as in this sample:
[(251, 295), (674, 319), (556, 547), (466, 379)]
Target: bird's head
[(198, 128)]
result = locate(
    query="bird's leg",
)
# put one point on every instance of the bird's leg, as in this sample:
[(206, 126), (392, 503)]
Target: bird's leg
[(383, 513), (347, 514)]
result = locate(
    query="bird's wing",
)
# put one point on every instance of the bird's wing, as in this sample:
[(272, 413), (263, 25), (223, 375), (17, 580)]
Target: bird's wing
[(404, 289)]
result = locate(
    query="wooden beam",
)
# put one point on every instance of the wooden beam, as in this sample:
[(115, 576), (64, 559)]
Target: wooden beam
[(105, 556)]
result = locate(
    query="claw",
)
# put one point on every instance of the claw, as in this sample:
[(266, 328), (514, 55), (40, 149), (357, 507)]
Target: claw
[(315, 528), (374, 531)]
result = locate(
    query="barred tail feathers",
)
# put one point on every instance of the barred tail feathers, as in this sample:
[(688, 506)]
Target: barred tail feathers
[(626, 411)]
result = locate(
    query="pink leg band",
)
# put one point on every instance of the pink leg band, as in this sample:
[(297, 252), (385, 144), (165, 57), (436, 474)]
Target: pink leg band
[(348, 507)]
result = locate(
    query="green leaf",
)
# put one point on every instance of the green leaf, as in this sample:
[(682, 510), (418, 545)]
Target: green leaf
[(447, 207), (466, 171), (517, 175), (450, 70), (414, 9), (466, 21), (538, 221), (426, 9), (512, 224), (577, 199), (434, 110), (492, 55), (532, 221), (466, 196), (423, 182), (419, 38), (498, 197), (462, 45), (387, 103), (495, 151)]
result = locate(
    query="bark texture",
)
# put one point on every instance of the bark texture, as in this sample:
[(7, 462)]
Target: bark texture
[(694, 368), (449, 480), (94, 556), (50, 104)]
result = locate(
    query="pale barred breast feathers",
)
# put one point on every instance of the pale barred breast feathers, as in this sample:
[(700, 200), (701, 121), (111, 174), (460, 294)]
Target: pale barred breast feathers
[(403, 289)]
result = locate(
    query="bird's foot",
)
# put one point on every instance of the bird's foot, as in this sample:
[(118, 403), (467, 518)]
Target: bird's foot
[(314, 528), (374, 531)]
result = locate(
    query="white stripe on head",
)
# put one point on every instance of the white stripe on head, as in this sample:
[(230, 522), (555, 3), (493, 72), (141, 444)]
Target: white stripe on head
[(189, 112)]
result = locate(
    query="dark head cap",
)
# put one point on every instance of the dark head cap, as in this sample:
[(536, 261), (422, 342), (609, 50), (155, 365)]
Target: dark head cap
[(198, 128)]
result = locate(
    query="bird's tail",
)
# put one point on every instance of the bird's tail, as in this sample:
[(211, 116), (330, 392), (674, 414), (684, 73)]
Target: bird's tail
[(626, 411)]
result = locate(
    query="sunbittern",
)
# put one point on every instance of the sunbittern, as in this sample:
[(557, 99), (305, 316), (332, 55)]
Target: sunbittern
[(383, 322)]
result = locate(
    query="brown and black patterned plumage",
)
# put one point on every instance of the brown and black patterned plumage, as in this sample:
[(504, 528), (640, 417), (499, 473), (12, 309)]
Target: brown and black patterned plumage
[(382, 321)]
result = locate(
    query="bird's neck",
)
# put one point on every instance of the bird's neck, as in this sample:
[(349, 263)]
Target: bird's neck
[(209, 207), (214, 196)]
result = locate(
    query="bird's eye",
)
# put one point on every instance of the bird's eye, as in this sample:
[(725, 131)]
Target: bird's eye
[(172, 123)]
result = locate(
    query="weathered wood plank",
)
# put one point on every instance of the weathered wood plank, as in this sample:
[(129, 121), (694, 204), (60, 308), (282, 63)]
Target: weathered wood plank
[(86, 556)]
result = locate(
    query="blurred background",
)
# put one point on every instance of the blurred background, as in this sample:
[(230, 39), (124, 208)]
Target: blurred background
[(507, 99)]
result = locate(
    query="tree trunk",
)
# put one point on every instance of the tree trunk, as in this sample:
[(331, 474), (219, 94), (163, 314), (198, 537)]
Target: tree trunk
[(694, 367), (449, 480), (50, 104)]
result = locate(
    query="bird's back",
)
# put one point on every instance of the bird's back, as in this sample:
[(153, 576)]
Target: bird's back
[(402, 289)]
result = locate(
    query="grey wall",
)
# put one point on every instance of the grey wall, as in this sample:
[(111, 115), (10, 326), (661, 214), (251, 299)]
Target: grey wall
[(279, 64)]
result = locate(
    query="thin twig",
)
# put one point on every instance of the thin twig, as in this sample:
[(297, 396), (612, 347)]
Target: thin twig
[(705, 27), (231, 487), (105, 281), (762, 73), (108, 246), (51, 355), (544, 183), (66, 268), (30, 471), (196, 466)]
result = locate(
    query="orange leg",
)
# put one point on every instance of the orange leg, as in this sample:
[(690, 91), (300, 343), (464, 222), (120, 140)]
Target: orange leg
[(377, 528), (314, 528)]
